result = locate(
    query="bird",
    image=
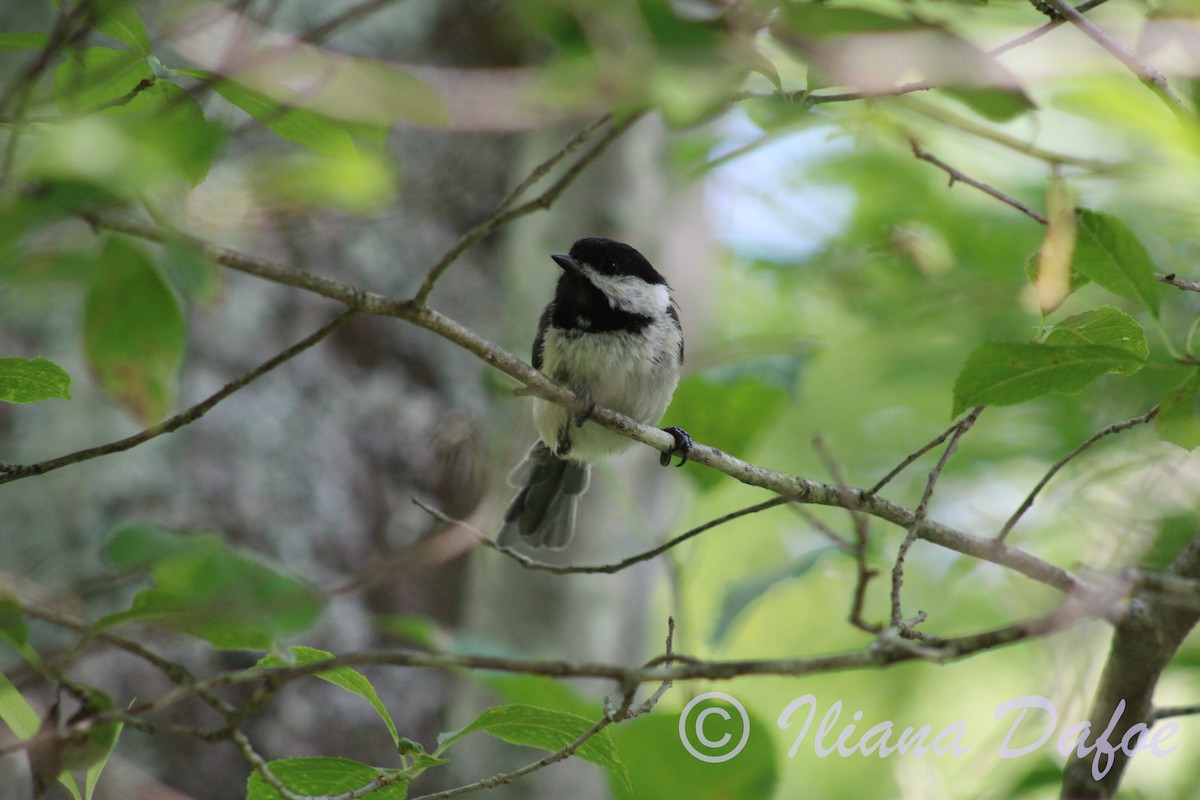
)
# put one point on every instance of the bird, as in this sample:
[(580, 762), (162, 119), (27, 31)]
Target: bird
[(612, 335)]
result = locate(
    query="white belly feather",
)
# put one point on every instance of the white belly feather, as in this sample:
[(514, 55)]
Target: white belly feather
[(634, 374)]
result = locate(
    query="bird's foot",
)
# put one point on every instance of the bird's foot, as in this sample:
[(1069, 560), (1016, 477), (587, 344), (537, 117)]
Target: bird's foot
[(682, 448), (563, 445), (588, 403)]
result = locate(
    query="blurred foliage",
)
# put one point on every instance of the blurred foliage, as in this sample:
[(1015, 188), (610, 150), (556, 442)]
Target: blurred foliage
[(205, 588), (916, 301)]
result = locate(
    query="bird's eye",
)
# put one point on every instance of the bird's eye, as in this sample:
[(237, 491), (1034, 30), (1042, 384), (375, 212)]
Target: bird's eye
[(612, 265)]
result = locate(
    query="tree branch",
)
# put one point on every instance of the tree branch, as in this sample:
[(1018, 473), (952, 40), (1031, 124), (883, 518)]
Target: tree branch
[(864, 573), (611, 717), (10, 472), (1012, 143), (883, 652), (955, 175), (1146, 639), (1116, 427), (1038, 33), (1179, 283), (911, 457), (1148, 74), (605, 569), (504, 212), (791, 487), (961, 428), (316, 34)]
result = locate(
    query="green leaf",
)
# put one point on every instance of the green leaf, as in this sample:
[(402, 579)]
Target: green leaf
[(12, 622), (122, 22), (818, 20), (204, 588), (359, 183), (538, 690), (996, 104), (1042, 773), (49, 266), (1077, 350), (1179, 415), (1007, 374), (1174, 533), (100, 740), (99, 75), (16, 712), (743, 594), (730, 406), (323, 776), (94, 772), (813, 30), (1105, 326), (322, 134), (751, 58), (420, 759), (416, 628), (22, 41), (140, 546), (31, 380), (659, 767), (166, 123), (14, 630), (1108, 253), (543, 728), (191, 272), (68, 782), (349, 679), (134, 332)]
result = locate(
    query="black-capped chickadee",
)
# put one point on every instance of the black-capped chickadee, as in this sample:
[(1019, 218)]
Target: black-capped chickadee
[(612, 335)]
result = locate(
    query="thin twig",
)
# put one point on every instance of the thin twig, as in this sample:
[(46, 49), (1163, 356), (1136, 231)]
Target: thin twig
[(10, 472), (1176, 711), (508, 777), (1148, 74), (864, 572), (835, 538), (23, 85), (123, 100), (605, 569), (1013, 143), (543, 169), (668, 657), (504, 215), (1116, 427), (911, 457), (914, 86), (961, 428), (882, 652), (611, 717), (319, 32), (177, 673), (1179, 283), (260, 766), (956, 175), (1038, 33)]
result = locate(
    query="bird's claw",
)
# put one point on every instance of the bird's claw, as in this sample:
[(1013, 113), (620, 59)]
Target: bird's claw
[(589, 405), (682, 448)]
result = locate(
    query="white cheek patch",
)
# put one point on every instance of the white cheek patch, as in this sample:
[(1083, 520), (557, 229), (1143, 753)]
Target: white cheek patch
[(630, 293)]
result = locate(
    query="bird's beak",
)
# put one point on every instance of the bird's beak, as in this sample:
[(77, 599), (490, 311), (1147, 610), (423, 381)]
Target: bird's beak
[(566, 262)]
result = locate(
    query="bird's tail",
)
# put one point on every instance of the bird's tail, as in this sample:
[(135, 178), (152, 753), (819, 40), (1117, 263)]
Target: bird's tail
[(543, 512)]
